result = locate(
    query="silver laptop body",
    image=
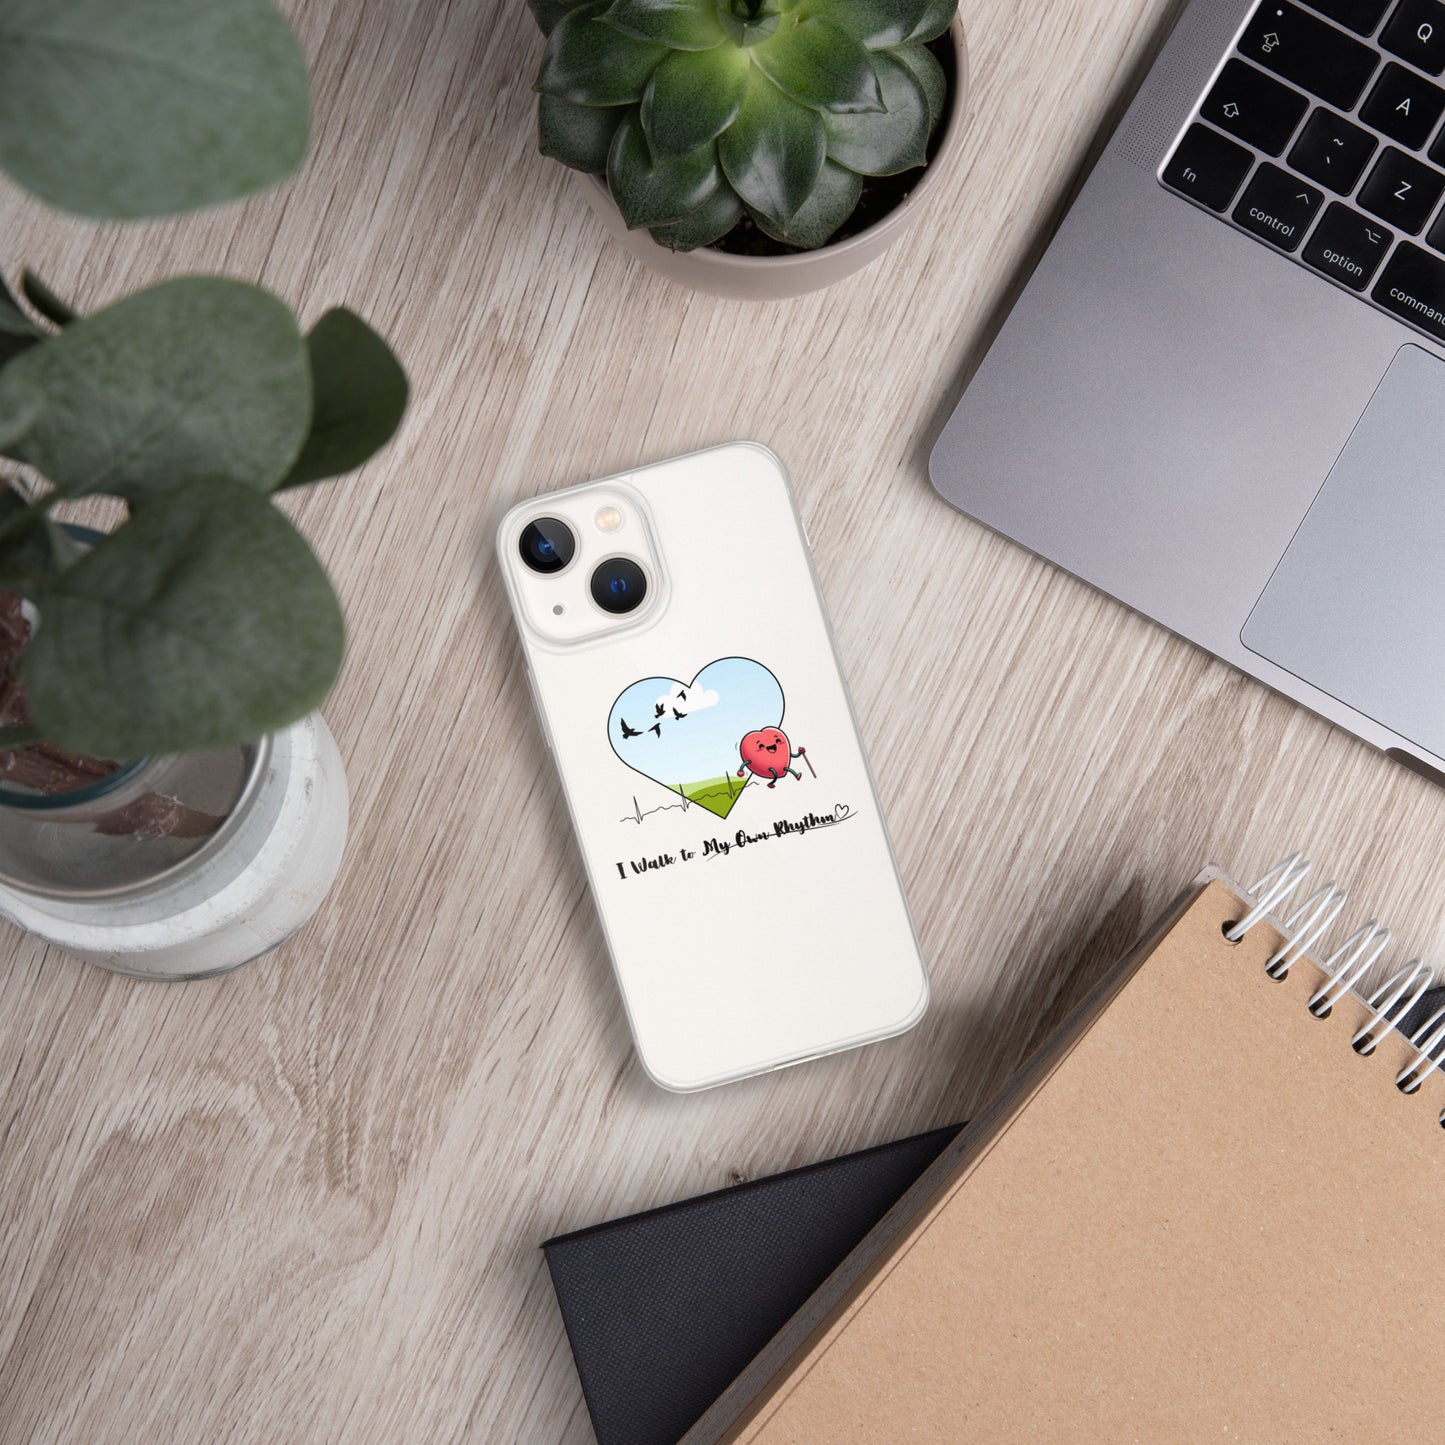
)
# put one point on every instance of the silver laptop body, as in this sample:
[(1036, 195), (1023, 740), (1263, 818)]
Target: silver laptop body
[(1188, 416)]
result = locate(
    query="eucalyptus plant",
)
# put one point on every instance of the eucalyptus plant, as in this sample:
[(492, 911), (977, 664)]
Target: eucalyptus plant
[(203, 619), (698, 111)]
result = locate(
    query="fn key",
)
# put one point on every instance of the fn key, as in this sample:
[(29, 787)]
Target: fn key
[(1207, 167)]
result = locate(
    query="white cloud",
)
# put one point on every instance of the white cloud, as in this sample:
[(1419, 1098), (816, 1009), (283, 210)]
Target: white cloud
[(685, 699)]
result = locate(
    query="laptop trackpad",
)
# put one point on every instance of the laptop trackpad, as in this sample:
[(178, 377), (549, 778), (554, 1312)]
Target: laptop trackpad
[(1356, 606)]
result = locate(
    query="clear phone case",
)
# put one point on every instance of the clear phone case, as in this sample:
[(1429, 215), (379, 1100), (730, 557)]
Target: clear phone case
[(715, 776)]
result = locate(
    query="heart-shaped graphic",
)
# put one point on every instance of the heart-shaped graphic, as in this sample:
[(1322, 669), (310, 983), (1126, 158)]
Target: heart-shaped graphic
[(840, 811), (685, 736)]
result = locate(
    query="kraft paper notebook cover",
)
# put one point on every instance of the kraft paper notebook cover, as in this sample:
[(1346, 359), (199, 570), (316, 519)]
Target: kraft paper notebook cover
[(1200, 1214)]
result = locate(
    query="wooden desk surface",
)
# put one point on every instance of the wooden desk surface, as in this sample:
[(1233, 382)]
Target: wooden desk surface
[(303, 1202)]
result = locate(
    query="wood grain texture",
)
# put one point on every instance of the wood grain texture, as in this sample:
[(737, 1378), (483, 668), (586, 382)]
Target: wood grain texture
[(303, 1202)]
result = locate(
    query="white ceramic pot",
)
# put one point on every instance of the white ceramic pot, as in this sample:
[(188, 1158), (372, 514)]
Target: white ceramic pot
[(774, 278), (160, 907)]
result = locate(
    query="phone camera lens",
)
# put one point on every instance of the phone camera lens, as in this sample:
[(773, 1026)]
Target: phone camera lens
[(547, 544), (619, 585)]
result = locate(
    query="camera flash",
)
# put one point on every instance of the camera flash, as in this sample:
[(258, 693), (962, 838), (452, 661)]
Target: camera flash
[(609, 519)]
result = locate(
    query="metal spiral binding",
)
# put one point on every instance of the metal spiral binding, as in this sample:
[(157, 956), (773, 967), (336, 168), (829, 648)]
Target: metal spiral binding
[(1392, 1001)]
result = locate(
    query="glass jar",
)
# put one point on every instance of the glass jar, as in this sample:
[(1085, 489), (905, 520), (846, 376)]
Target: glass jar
[(177, 867)]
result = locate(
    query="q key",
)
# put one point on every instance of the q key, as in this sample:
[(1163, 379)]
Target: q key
[(1416, 32)]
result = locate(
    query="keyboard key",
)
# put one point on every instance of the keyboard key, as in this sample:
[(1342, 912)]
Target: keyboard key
[(1310, 52), (1403, 105), (1416, 32), (1332, 151), (1413, 287), (1347, 246), (1361, 16), (1260, 111), (1401, 191), (1208, 167), (1278, 206), (1436, 234)]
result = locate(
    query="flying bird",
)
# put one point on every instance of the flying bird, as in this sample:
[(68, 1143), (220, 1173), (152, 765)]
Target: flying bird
[(678, 715), (656, 728), (628, 732), (660, 709)]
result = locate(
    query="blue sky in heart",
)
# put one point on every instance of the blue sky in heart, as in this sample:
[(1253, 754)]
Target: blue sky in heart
[(728, 699)]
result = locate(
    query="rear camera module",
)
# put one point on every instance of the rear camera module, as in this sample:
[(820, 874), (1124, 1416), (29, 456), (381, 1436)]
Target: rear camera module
[(547, 544), (619, 585)]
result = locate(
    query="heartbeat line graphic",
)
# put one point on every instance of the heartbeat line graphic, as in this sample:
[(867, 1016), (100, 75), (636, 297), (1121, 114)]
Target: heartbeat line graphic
[(684, 803)]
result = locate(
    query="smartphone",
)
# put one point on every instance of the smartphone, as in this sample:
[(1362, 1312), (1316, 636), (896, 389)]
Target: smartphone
[(690, 690)]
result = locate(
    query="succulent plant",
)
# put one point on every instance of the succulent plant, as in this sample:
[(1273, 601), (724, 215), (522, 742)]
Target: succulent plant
[(699, 111)]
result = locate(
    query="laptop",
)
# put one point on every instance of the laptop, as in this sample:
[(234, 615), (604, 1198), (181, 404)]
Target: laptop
[(1220, 398)]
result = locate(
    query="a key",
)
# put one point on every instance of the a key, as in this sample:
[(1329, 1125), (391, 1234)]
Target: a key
[(1403, 105), (1332, 151), (1401, 191), (1278, 206), (1413, 287), (1348, 246), (1260, 111), (1208, 166), (1309, 52), (1416, 32)]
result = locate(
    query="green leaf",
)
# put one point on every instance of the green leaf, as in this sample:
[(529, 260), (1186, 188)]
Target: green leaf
[(929, 74), (883, 145), (678, 24), (547, 13), (359, 398), (22, 404), (749, 22), (693, 97), (44, 300), (820, 65), (772, 153), (936, 18), (832, 202), (878, 24), (204, 621), (714, 218), (577, 135), (194, 377), (652, 194), (590, 62), (130, 110), (358, 392)]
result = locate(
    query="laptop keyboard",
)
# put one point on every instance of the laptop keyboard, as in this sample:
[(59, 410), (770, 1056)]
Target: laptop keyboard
[(1322, 137)]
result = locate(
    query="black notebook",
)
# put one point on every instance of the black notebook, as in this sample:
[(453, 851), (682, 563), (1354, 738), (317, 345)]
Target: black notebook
[(664, 1308)]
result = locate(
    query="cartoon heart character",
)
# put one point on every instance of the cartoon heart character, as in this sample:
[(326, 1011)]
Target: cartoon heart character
[(766, 753), (683, 734)]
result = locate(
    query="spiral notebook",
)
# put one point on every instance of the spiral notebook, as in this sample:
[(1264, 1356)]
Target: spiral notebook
[(1208, 1210)]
